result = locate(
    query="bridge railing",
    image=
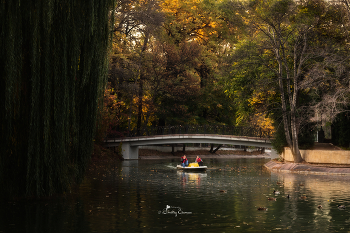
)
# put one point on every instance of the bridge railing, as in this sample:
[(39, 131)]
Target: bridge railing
[(199, 129)]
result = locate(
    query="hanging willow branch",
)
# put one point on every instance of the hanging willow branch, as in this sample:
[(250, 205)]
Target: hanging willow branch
[(53, 65)]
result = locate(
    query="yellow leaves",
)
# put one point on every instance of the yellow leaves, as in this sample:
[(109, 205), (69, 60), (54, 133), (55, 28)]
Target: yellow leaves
[(260, 97), (258, 103), (191, 18), (255, 100), (170, 6), (213, 24), (240, 118), (262, 121), (201, 33)]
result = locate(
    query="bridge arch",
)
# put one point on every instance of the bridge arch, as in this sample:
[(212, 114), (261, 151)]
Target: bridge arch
[(130, 144)]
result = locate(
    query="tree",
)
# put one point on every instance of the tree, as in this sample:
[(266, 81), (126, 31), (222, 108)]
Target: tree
[(332, 75), (200, 25), (53, 66), (136, 25), (164, 67), (180, 84), (290, 39)]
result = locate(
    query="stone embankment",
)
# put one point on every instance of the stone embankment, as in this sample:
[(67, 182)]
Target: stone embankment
[(321, 153), (323, 159), (304, 168)]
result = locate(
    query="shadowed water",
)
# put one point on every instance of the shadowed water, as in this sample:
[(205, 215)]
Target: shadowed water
[(133, 196)]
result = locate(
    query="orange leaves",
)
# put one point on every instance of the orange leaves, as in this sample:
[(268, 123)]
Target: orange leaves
[(110, 99), (191, 19)]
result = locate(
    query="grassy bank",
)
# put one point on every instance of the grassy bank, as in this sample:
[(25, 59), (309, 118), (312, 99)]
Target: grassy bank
[(102, 153)]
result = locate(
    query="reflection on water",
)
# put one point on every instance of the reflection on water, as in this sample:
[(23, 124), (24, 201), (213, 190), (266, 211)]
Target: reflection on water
[(191, 178), (152, 196)]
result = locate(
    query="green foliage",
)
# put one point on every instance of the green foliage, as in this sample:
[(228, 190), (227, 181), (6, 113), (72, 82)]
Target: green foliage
[(307, 136), (177, 78), (249, 80), (279, 141), (52, 72), (228, 62), (290, 51), (274, 10), (341, 130)]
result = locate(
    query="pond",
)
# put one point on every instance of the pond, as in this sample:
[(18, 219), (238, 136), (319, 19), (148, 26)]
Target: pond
[(152, 196)]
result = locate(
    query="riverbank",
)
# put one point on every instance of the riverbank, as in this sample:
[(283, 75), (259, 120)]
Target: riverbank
[(153, 154), (322, 159), (306, 168), (102, 153), (320, 153)]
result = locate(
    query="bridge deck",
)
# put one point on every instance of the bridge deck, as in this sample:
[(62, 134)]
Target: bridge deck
[(188, 136), (130, 144)]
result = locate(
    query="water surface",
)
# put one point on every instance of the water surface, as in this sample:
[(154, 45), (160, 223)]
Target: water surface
[(132, 196)]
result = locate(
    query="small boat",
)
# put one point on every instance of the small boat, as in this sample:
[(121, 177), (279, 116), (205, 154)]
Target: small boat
[(192, 167)]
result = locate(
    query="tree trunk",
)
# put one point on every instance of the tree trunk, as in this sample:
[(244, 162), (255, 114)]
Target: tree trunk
[(140, 94), (293, 100), (295, 142), (290, 128), (294, 127), (283, 102), (139, 112)]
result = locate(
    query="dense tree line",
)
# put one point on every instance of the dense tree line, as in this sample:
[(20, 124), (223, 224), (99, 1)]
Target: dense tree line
[(276, 64), (281, 65)]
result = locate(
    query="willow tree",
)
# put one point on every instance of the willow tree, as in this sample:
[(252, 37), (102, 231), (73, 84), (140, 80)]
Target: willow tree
[(52, 72)]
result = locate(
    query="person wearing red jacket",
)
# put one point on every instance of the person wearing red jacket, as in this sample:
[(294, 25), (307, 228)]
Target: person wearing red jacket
[(199, 161), (184, 161)]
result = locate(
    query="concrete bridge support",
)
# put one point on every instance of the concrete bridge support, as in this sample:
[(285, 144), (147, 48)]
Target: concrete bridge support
[(130, 152), (274, 154)]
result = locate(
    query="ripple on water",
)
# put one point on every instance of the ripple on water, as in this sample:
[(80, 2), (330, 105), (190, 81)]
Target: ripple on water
[(129, 196)]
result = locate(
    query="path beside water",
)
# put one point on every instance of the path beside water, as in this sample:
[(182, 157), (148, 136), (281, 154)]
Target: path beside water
[(313, 168), (305, 168)]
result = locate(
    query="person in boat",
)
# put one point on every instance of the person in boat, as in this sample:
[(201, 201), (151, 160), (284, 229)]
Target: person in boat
[(199, 161), (184, 161)]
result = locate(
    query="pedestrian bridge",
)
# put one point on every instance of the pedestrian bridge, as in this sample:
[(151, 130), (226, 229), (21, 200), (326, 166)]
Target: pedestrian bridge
[(130, 145)]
